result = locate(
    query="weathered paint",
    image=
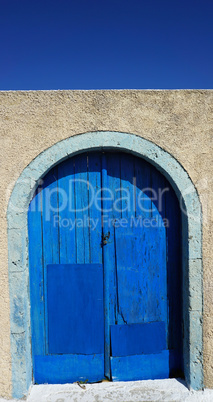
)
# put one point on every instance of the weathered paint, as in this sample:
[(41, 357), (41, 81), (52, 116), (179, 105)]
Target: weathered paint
[(75, 335), (152, 366), (18, 245), (66, 368), (64, 318), (75, 309), (134, 257), (137, 339)]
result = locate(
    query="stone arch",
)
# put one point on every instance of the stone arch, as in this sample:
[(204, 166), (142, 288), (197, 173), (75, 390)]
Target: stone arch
[(18, 247)]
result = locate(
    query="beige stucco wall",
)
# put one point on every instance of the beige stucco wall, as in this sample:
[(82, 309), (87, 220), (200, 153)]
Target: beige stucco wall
[(181, 122)]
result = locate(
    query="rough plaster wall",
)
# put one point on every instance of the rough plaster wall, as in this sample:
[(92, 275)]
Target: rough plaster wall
[(178, 121)]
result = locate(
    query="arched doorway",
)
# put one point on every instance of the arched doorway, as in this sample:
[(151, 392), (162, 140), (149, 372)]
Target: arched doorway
[(18, 247), (105, 271)]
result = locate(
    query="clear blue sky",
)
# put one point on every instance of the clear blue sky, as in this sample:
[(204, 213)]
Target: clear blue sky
[(106, 44)]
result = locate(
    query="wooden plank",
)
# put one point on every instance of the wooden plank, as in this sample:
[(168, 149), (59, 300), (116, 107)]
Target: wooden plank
[(62, 369), (94, 213), (66, 214), (82, 210), (107, 272), (111, 195), (36, 274), (50, 232), (159, 242), (75, 309), (127, 184), (138, 339), (128, 202), (140, 367), (50, 209), (142, 179)]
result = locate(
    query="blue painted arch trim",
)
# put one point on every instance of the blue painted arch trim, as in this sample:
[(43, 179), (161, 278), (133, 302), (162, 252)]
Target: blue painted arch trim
[(18, 247)]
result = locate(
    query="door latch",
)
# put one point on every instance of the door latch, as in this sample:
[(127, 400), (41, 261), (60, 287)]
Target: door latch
[(105, 238)]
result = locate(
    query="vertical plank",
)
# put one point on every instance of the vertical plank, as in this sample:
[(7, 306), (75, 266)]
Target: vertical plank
[(106, 205), (36, 274), (127, 175), (128, 204), (159, 251), (66, 214), (111, 211), (142, 174), (51, 244), (94, 212), (82, 210)]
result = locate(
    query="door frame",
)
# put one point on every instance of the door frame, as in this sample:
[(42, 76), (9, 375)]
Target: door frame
[(18, 247)]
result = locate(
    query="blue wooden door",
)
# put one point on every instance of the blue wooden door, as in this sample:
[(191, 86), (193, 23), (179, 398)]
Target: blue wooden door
[(105, 271)]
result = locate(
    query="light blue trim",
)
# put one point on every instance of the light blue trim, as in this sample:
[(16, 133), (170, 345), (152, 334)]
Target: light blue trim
[(18, 247)]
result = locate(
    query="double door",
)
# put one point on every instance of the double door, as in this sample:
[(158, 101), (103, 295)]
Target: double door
[(105, 271)]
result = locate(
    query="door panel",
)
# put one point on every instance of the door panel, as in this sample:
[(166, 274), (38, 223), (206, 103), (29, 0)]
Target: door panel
[(137, 367), (63, 369), (75, 309), (135, 259), (60, 233), (140, 272), (135, 339)]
